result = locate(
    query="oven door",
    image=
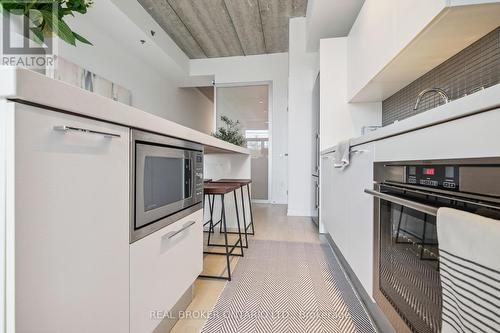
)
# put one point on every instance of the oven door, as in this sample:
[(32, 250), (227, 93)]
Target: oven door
[(407, 284), (406, 273)]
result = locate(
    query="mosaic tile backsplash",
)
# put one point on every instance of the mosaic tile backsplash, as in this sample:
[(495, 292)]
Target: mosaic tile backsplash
[(472, 68)]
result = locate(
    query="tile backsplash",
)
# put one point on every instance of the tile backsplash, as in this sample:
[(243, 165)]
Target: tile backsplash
[(474, 67)]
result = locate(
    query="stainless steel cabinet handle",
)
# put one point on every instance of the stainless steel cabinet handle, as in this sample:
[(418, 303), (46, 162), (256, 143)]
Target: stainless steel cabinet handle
[(185, 227), (404, 202), (358, 151), (84, 130), (316, 196)]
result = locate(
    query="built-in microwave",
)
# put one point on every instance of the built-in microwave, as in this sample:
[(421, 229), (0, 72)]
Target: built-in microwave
[(166, 181)]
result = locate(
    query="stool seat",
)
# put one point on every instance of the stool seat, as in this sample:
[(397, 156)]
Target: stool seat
[(221, 188), (242, 182)]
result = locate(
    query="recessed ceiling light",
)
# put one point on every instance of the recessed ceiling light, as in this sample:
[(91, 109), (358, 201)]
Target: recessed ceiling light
[(261, 102)]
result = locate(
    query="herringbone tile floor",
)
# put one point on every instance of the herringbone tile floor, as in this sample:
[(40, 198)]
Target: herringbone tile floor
[(287, 282)]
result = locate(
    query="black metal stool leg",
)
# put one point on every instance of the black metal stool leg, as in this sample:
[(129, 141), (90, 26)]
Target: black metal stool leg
[(220, 227), (228, 261), (225, 231), (244, 218), (251, 212), (226, 245), (399, 226), (211, 208), (238, 222)]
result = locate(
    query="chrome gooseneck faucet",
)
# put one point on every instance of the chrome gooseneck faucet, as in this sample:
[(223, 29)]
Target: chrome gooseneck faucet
[(439, 91)]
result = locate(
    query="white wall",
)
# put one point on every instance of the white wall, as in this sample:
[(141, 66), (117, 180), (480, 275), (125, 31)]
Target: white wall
[(303, 69), (271, 69), (129, 65), (340, 120), (329, 19)]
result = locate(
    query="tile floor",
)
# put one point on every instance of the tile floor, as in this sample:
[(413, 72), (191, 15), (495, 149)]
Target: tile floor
[(271, 223)]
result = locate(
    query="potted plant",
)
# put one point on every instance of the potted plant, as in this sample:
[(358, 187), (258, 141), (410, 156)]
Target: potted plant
[(230, 132)]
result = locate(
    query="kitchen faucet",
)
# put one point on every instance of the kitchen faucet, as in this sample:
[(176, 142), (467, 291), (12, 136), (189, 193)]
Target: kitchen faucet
[(439, 91)]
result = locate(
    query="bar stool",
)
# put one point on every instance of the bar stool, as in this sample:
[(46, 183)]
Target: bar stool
[(242, 183), (213, 190)]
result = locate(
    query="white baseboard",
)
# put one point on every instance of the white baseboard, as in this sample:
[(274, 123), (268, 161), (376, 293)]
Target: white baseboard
[(295, 212)]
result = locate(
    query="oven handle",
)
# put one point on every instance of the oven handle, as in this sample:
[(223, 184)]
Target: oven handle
[(185, 227), (404, 202)]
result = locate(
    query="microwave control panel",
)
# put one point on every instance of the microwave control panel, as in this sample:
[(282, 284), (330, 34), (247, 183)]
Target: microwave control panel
[(199, 174), (436, 176)]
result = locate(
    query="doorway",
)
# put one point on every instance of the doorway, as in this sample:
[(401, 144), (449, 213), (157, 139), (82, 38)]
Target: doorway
[(250, 106)]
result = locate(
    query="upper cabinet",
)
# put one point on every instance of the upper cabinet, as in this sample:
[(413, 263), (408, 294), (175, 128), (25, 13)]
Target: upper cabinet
[(393, 42)]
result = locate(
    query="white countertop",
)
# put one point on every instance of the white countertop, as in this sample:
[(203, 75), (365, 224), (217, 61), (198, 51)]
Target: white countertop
[(484, 100), (28, 86)]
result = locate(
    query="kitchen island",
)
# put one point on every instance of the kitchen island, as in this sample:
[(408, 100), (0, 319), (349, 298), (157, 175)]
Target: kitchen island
[(66, 203)]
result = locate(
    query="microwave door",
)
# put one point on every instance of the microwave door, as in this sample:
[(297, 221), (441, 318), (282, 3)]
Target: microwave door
[(164, 182)]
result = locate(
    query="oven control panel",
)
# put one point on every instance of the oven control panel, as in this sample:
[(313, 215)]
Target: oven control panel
[(436, 176)]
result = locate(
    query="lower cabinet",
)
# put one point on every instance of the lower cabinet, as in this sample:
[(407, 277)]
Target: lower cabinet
[(347, 212), (163, 266), (69, 266), (67, 223)]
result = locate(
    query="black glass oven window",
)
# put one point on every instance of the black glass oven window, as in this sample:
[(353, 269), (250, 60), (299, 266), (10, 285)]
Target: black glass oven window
[(408, 265), (409, 272), (166, 181)]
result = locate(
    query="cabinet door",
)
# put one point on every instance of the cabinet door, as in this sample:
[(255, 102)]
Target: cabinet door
[(163, 266), (334, 203), (359, 225), (339, 207), (71, 224)]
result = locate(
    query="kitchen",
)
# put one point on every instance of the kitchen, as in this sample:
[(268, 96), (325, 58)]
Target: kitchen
[(122, 212)]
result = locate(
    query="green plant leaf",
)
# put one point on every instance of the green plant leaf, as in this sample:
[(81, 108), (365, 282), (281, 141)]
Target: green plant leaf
[(39, 38), (81, 39), (36, 17), (65, 33), (59, 27)]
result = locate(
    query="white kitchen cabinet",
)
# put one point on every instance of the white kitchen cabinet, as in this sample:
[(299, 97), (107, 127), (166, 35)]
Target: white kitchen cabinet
[(326, 167), (381, 30), (466, 137), (394, 42), (163, 266), (334, 201), (359, 234), (67, 223), (347, 213)]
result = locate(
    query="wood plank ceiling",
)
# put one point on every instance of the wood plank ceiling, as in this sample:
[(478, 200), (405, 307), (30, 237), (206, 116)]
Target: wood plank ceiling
[(225, 28)]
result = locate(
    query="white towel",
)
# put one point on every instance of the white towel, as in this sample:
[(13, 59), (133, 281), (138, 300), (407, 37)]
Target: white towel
[(469, 251), (341, 154)]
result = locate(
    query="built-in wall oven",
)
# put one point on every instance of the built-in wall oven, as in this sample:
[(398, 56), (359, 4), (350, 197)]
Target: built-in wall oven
[(166, 181), (407, 284)]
